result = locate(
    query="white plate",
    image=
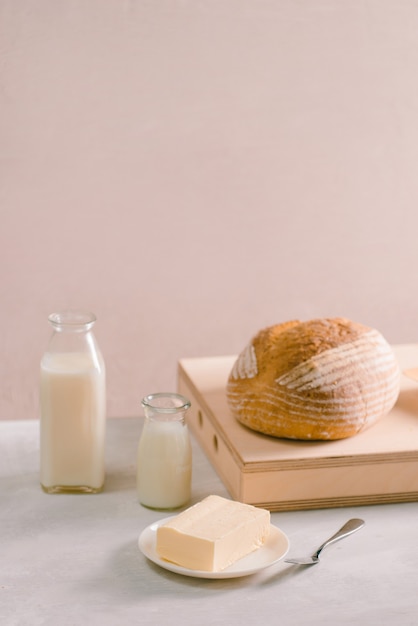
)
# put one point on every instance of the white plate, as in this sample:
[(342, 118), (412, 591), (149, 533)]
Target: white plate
[(275, 548)]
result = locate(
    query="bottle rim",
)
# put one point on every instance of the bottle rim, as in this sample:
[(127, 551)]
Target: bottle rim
[(166, 402), (72, 319)]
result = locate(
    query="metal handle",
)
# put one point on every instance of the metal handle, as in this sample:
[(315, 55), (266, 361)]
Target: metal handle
[(349, 527)]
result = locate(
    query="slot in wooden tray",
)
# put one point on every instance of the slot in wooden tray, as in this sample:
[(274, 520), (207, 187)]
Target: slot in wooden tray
[(379, 465)]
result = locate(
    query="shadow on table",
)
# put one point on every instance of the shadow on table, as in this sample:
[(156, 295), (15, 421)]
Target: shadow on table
[(131, 577), (120, 481)]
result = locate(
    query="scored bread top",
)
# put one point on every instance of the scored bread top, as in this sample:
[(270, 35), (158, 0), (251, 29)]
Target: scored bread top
[(321, 379)]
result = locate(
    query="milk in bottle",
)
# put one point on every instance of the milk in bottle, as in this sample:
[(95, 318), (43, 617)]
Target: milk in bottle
[(73, 407)]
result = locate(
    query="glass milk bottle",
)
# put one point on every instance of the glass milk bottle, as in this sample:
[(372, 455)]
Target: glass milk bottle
[(73, 407), (164, 468)]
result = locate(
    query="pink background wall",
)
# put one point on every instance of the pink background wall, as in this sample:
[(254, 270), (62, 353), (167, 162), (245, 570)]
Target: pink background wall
[(192, 171)]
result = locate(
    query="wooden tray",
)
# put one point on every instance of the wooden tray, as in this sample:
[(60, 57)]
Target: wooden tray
[(376, 466)]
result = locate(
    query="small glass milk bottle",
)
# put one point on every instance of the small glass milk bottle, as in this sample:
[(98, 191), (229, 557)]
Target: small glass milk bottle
[(73, 407), (164, 468)]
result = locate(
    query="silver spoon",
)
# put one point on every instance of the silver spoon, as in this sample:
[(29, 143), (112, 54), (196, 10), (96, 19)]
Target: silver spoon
[(349, 527)]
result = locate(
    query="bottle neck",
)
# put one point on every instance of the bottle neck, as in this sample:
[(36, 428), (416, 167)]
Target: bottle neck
[(163, 418), (165, 407), (72, 321), (72, 333)]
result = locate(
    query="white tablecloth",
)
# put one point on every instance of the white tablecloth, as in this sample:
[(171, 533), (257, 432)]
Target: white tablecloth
[(74, 559)]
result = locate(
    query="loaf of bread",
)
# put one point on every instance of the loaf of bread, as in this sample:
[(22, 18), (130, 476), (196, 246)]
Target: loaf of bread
[(318, 380)]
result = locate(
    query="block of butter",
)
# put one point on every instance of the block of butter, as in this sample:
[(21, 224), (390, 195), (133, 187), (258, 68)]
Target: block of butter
[(213, 534)]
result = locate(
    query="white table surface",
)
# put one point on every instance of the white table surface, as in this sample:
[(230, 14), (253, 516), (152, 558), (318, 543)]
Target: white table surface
[(74, 559)]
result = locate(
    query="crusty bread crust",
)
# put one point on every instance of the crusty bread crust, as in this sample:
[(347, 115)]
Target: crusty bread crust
[(318, 380)]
